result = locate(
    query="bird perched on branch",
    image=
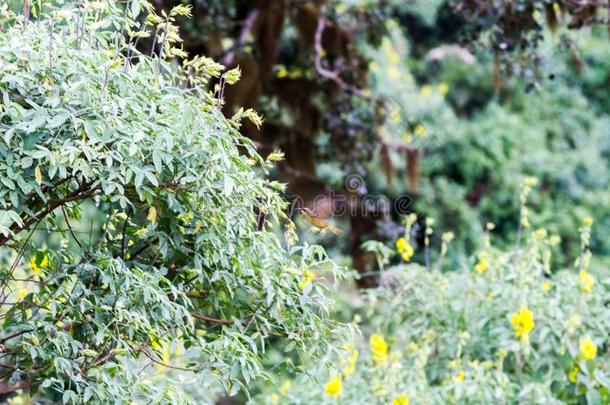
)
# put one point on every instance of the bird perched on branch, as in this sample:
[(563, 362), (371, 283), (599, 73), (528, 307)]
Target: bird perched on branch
[(319, 223)]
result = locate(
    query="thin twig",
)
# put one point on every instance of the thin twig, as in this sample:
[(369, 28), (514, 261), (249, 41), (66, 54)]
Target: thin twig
[(160, 56), (210, 319), (78, 24), (51, 49), (26, 12), (246, 29), (143, 351), (63, 209), (329, 74)]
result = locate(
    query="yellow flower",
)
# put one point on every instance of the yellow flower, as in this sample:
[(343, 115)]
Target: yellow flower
[(588, 349), (38, 267), (275, 398), (350, 363), (407, 254), (165, 358), (404, 248), (573, 375), (459, 376), (285, 386), (555, 240), (334, 387), (448, 236), (483, 264), (523, 322), (393, 73), (393, 57), (587, 221), (349, 370), (307, 280), (401, 244), (155, 344), (379, 348), (530, 181), (546, 286), (443, 88), (401, 400), (425, 91), (420, 130), (21, 293), (586, 281), (540, 233)]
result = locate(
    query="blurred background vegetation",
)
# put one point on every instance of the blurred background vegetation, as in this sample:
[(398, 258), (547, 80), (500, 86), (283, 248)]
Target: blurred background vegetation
[(439, 106)]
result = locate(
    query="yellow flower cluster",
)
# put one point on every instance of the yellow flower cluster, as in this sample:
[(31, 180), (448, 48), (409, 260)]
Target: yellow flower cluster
[(540, 233), (275, 397), (420, 131), (334, 387), (443, 88), (38, 267), (523, 322), (401, 400), (483, 264), (460, 376), (22, 293), (573, 374), (526, 187), (586, 281), (349, 365), (379, 348), (405, 249), (308, 277), (588, 349)]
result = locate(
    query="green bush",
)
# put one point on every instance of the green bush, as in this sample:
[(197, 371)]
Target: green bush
[(178, 273), (504, 328)]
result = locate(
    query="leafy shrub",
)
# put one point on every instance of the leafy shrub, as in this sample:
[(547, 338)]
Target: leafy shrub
[(503, 328), (181, 253)]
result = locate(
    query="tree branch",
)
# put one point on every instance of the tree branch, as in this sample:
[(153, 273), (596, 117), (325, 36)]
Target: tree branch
[(210, 319), (329, 74)]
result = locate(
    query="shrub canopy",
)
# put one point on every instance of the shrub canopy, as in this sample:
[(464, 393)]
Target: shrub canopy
[(135, 222)]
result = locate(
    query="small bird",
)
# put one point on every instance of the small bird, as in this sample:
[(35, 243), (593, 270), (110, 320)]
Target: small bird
[(319, 224)]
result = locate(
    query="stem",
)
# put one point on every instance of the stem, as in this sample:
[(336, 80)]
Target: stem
[(51, 49), (161, 50), (78, 17), (26, 12)]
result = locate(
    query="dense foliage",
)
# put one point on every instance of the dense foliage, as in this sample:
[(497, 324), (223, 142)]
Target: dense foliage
[(135, 222), (503, 329)]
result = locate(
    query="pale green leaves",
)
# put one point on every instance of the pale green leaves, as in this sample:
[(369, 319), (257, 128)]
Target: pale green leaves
[(154, 217)]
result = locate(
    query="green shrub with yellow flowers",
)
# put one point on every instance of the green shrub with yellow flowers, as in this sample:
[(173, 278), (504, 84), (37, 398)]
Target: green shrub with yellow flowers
[(504, 328), (141, 244)]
